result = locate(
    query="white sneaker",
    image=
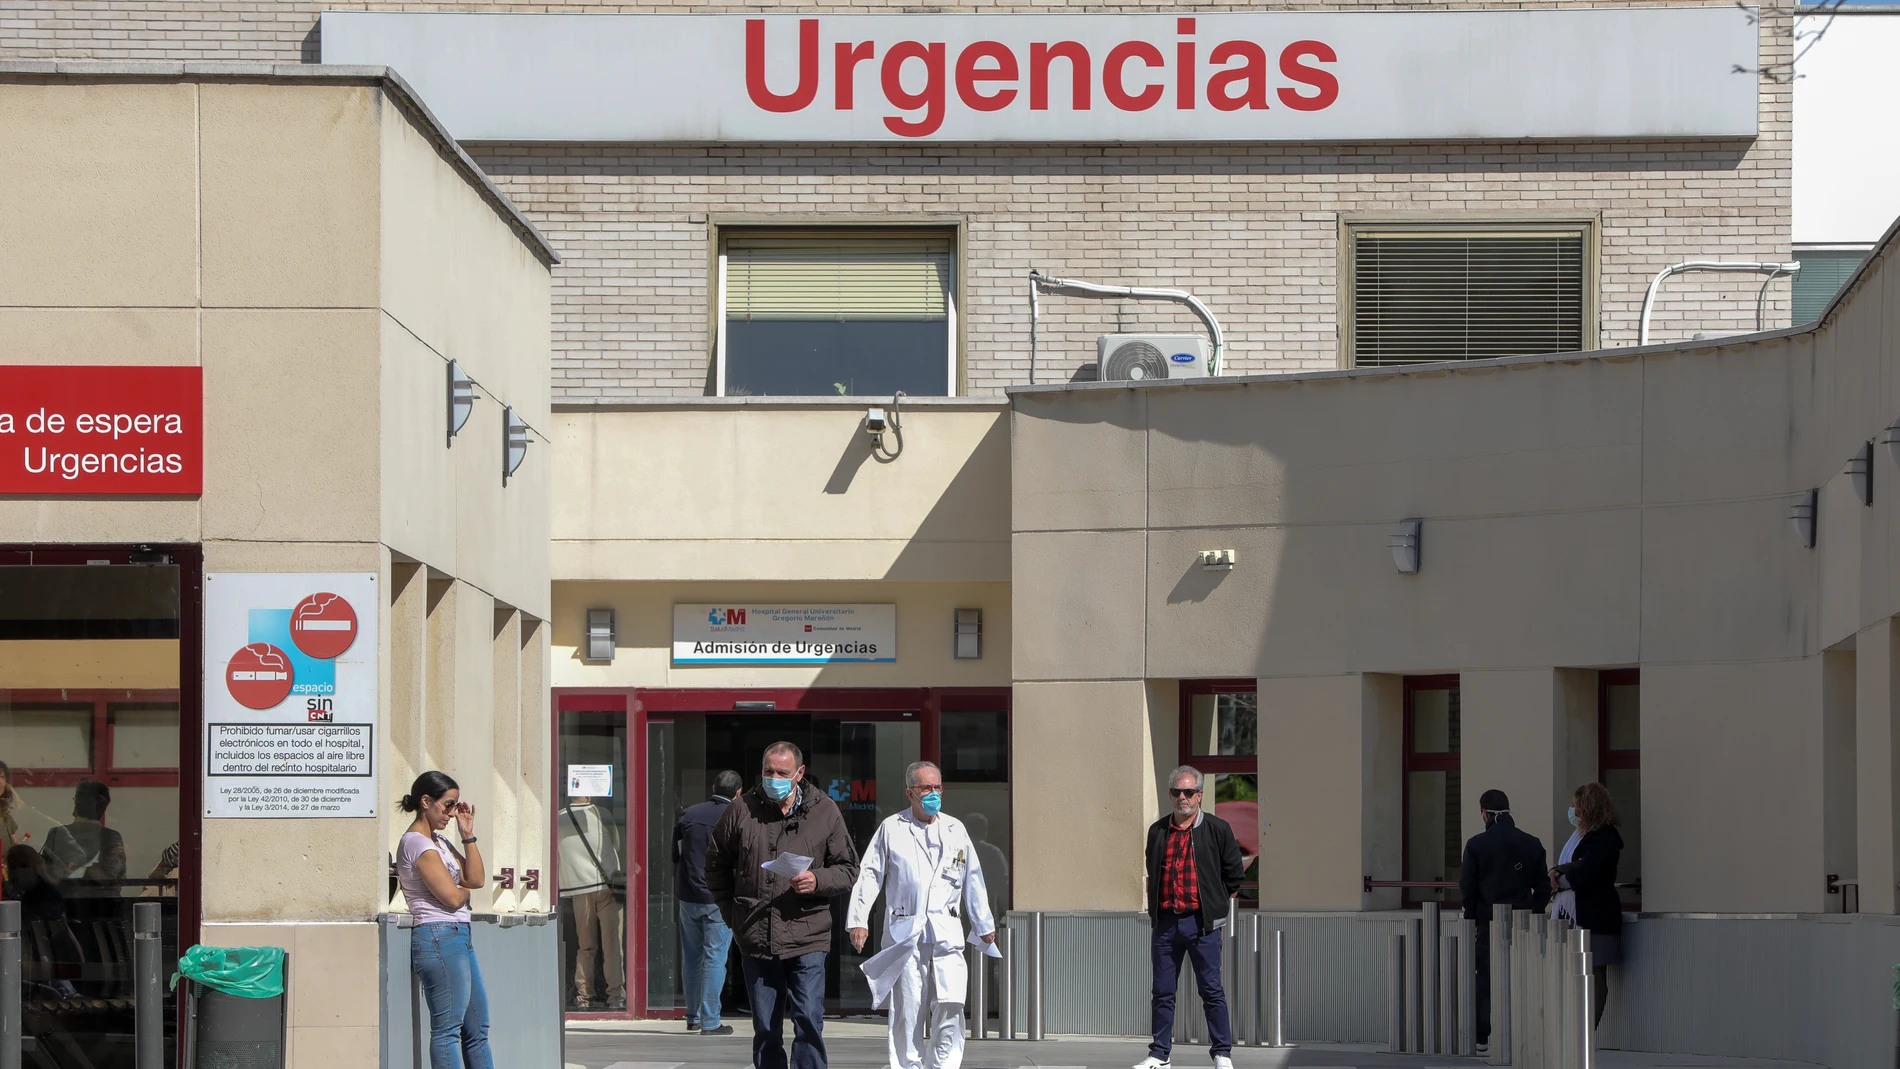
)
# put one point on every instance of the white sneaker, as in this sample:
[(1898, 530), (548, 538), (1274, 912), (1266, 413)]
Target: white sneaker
[(1484, 1048), (1222, 1061), (1152, 1062)]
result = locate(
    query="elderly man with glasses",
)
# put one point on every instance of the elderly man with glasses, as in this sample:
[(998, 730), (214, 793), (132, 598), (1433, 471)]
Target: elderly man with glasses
[(1194, 869)]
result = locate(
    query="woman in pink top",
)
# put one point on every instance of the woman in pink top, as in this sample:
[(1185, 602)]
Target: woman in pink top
[(436, 880)]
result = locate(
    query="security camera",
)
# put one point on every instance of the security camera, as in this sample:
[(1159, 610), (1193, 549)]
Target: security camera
[(874, 421)]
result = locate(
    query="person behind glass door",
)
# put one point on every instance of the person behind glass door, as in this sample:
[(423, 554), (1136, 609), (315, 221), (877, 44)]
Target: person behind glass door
[(704, 937), (1584, 883), (995, 865), (9, 801), (86, 848), (437, 880), (590, 863)]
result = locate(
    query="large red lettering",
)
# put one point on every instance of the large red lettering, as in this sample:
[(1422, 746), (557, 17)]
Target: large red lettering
[(1040, 56), (931, 99), (1252, 73), (846, 58), (755, 87), (970, 76), (1184, 67), (1326, 85), (1116, 90)]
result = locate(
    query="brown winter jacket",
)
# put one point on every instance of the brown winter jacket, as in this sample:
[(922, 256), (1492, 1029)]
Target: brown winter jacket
[(767, 919)]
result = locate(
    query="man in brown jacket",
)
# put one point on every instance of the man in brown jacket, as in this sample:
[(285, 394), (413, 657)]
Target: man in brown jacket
[(782, 924)]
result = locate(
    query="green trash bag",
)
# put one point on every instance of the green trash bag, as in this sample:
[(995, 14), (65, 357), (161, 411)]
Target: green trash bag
[(249, 972)]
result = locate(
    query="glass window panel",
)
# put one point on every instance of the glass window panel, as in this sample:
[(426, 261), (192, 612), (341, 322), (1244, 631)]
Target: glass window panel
[(1236, 800), (984, 809), (837, 357), (1435, 721), (46, 735), (975, 746), (144, 735), (1224, 725), (595, 738), (1623, 707), (1626, 790), (1432, 836)]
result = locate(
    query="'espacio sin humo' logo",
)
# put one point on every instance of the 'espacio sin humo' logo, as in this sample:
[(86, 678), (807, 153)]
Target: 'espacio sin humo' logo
[(293, 651)]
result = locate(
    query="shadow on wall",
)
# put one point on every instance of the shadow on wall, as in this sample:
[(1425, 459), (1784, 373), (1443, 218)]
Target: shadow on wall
[(971, 513)]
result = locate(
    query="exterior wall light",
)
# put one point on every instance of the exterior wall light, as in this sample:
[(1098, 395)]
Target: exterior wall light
[(1802, 514), (600, 635), (1891, 438), (514, 443), (1861, 470), (1405, 546), (461, 398), (969, 634)]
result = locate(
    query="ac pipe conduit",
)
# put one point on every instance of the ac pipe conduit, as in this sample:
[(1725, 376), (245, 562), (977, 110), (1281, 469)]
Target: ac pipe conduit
[(1772, 270), (1065, 287)]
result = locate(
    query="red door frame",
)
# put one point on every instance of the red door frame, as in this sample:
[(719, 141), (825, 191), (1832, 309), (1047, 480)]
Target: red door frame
[(1410, 762), (645, 705), (1608, 759), (189, 559)]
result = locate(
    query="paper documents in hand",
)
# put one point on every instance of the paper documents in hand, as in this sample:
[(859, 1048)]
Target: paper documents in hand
[(787, 865)]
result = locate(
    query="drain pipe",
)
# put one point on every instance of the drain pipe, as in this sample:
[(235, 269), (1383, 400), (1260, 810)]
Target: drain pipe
[(1772, 270), (1063, 287)]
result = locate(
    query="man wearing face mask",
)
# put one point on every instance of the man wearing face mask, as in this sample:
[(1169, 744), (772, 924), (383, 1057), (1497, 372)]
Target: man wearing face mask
[(1503, 866), (782, 922), (924, 864)]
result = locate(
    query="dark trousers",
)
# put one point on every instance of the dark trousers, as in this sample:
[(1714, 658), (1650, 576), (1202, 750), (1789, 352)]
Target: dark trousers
[(773, 984), (1482, 990), (1177, 935)]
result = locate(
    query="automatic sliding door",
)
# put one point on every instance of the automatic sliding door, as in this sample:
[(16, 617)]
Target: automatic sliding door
[(860, 764)]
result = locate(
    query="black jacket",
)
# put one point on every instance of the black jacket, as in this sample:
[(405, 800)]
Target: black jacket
[(1592, 874), (768, 919), (1218, 865), (1503, 866), (690, 836)]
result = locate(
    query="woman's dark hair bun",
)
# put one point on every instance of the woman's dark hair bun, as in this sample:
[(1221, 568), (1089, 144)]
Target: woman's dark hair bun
[(428, 785)]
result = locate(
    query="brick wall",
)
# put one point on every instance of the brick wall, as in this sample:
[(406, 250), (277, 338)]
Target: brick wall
[(1251, 229)]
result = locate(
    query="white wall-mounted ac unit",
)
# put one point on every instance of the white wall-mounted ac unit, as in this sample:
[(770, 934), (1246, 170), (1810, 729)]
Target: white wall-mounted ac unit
[(1124, 357)]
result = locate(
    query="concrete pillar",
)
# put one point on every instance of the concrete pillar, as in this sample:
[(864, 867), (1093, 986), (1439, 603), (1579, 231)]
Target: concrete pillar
[(1079, 818), (438, 686), (532, 787), (1329, 790), (1511, 739), (407, 636), (1877, 752), (501, 810)]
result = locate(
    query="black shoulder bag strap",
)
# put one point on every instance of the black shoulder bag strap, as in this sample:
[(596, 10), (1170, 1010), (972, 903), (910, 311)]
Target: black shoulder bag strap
[(605, 876)]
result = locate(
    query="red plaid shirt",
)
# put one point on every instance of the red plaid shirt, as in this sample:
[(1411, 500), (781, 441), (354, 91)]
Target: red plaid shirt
[(1180, 886)]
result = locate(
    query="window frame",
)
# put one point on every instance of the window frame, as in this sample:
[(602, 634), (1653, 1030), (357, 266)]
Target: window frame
[(1609, 760), (719, 230), (1411, 761), (1432, 224), (1219, 764), (104, 767)]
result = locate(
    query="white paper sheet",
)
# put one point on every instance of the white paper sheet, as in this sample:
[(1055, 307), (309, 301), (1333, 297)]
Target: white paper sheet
[(787, 865)]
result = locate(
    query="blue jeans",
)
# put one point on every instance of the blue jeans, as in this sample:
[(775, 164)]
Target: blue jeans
[(1175, 935), (444, 958), (773, 982), (704, 940)]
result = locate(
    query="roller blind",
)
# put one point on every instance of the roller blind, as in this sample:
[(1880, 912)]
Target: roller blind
[(838, 277), (1823, 273), (1425, 295)]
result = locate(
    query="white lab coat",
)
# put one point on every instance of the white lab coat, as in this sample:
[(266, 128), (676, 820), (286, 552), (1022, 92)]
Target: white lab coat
[(920, 970)]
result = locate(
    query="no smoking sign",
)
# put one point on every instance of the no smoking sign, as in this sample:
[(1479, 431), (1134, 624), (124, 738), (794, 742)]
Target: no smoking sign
[(258, 675), (323, 626)]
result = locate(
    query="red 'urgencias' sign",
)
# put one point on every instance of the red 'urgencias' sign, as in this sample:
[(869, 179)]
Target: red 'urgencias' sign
[(101, 429)]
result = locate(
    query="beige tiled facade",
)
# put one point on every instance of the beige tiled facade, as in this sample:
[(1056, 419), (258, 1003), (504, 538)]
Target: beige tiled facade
[(1252, 229)]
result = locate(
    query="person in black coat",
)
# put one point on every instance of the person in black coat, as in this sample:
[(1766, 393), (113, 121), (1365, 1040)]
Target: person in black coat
[(1503, 866), (1588, 874)]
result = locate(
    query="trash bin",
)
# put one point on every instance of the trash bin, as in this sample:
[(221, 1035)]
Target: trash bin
[(235, 1007)]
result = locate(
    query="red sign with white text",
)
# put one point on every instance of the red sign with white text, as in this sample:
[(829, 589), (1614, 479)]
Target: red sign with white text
[(106, 429)]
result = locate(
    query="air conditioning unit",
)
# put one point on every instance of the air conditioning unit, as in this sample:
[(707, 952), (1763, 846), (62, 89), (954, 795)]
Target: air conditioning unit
[(1125, 357)]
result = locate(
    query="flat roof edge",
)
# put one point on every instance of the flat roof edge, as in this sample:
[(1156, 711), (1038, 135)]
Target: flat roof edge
[(384, 78)]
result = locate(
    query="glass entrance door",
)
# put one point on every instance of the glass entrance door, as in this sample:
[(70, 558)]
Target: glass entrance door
[(91, 644)]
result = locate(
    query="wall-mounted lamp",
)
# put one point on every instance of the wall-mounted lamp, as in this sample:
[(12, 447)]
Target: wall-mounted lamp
[(1802, 514), (600, 634), (461, 397), (514, 443), (969, 634), (1891, 439), (1861, 470), (1405, 546), (1217, 560)]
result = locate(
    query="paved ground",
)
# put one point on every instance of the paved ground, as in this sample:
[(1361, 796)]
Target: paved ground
[(860, 1045)]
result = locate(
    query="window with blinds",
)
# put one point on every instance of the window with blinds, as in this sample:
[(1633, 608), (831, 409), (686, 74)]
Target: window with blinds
[(1426, 294), (1823, 273), (862, 312)]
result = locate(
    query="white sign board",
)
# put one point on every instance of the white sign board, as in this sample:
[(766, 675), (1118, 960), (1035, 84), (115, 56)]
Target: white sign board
[(290, 695), (1646, 72), (590, 781), (784, 634)]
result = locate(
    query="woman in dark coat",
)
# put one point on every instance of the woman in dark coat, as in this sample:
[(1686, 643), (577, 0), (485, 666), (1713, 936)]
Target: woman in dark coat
[(1589, 871)]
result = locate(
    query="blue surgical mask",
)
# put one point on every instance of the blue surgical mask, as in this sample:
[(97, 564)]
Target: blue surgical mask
[(931, 803), (1573, 816), (779, 789)]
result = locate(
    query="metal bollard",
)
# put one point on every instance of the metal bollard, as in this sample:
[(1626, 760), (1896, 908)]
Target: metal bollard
[(1006, 984), (1467, 989), (148, 1006), (1249, 972), (1557, 935), (1414, 1034), (1428, 975), (1395, 994), (1501, 933), (1575, 1024), (11, 1029), (1276, 1002), (1586, 1012), (1448, 987), (979, 979), (1035, 976)]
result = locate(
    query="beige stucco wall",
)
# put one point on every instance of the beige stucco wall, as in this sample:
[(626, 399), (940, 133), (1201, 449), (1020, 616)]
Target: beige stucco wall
[(307, 243), (1622, 509)]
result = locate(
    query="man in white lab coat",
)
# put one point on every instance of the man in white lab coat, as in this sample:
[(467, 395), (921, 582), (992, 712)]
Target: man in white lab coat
[(925, 864)]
